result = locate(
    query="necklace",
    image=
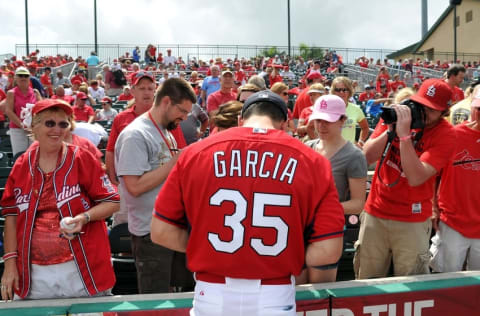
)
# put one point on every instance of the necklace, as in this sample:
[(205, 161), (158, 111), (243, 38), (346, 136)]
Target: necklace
[(169, 142)]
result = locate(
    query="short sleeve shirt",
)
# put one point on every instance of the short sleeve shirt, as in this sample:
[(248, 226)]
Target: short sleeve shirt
[(354, 115), (140, 148)]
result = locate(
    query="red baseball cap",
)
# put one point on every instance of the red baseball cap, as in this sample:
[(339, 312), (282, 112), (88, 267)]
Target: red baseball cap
[(106, 100), (139, 75), (81, 96), (435, 94), (76, 81), (50, 103), (314, 75)]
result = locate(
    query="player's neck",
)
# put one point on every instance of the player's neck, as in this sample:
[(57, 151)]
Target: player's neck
[(259, 122)]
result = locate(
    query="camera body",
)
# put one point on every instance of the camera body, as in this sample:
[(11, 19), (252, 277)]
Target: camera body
[(389, 115)]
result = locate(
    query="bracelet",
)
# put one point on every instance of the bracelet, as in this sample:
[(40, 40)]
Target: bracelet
[(361, 142), (87, 216), (404, 138), (10, 255)]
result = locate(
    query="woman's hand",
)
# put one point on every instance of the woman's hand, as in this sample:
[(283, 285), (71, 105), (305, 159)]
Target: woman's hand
[(78, 222), (9, 279)]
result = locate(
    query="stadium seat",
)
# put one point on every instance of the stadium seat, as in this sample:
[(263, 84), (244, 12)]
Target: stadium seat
[(123, 262)]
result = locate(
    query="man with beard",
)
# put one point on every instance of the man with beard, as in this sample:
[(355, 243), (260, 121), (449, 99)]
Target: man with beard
[(145, 153)]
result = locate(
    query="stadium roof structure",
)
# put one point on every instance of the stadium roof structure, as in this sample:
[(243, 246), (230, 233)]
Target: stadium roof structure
[(414, 47)]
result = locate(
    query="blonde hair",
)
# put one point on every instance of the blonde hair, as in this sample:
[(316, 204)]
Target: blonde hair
[(403, 94), (346, 82), (279, 87), (317, 86)]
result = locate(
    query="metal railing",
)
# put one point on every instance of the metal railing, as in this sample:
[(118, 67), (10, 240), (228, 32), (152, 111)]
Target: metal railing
[(108, 52)]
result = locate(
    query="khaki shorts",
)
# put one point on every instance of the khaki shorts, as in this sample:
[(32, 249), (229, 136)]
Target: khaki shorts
[(381, 240)]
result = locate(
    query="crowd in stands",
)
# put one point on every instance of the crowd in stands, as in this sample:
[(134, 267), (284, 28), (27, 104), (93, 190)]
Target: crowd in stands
[(327, 111)]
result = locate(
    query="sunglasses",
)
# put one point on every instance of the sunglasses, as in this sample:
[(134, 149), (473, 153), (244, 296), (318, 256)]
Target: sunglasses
[(340, 90), (285, 93), (52, 123), (23, 76)]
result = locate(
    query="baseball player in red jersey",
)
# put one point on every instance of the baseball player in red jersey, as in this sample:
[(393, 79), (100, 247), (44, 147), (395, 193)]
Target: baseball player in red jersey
[(250, 206)]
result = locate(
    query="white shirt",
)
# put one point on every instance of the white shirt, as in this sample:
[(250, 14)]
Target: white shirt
[(98, 94), (169, 60)]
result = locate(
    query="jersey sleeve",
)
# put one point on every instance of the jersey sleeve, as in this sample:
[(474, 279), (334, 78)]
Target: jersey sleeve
[(97, 184), (442, 149), (329, 220), (9, 203), (168, 205)]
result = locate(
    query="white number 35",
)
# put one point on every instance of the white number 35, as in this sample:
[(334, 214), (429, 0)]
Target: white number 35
[(260, 200)]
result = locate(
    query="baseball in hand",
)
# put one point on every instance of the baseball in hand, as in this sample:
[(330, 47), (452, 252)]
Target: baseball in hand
[(64, 225)]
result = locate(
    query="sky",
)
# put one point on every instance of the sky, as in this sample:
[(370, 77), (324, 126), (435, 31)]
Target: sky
[(379, 24)]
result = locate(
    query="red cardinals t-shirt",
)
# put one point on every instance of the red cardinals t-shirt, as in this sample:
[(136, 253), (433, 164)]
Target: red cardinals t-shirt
[(457, 95), (119, 123), (459, 198), (303, 101), (252, 198), (403, 202), (82, 114)]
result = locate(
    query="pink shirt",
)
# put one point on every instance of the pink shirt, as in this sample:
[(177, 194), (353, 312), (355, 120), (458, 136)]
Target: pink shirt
[(20, 102)]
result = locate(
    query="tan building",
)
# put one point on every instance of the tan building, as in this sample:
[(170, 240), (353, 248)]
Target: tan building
[(438, 42)]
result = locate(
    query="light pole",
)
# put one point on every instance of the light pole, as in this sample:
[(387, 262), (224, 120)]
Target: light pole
[(289, 46), (26, 26), (95, 24)]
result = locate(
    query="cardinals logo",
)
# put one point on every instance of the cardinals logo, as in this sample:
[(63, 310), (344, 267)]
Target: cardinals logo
[(323, 105), (431, 91)]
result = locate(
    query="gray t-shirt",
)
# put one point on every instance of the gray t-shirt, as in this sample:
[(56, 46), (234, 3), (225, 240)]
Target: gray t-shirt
[(347, 162), (139, 149), (191, 124)]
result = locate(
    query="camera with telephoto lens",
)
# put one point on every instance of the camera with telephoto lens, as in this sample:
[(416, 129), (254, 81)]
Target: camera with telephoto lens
[(389, 115)]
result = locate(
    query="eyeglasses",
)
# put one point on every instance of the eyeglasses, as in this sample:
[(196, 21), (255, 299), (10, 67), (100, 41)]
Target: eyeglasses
[(52, 123), (183, 111), (340, 90), (23, 76)]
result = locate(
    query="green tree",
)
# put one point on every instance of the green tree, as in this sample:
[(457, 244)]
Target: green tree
[(310, 52), (270, 52)]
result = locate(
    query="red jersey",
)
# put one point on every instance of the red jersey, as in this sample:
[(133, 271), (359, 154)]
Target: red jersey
[(75, 193), (78, 77), (303, 101), (123, 97), (119, 123), (397, 85), (364, 96), (82, 114), (305, 115), (240, 76), (218, 98), (458, 194), (457, 95), (257, 213), (403, 202), (86, 144), (2, 97), (47, 83), (275, 79)]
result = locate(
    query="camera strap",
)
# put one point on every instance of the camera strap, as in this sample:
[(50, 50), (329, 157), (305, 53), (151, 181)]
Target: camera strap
[(391, 136)]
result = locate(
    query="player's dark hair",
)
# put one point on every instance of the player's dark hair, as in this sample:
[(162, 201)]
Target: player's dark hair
[(265, 109), (177, 90), (455, 69)]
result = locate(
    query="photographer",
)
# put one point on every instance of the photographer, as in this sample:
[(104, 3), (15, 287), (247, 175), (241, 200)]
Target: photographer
[(396, 221)]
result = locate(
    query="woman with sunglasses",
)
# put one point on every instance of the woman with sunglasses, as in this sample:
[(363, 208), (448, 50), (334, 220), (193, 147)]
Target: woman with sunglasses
[(55, 237), (342, 87), (282, 90), (17, 99), (349, 168)]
